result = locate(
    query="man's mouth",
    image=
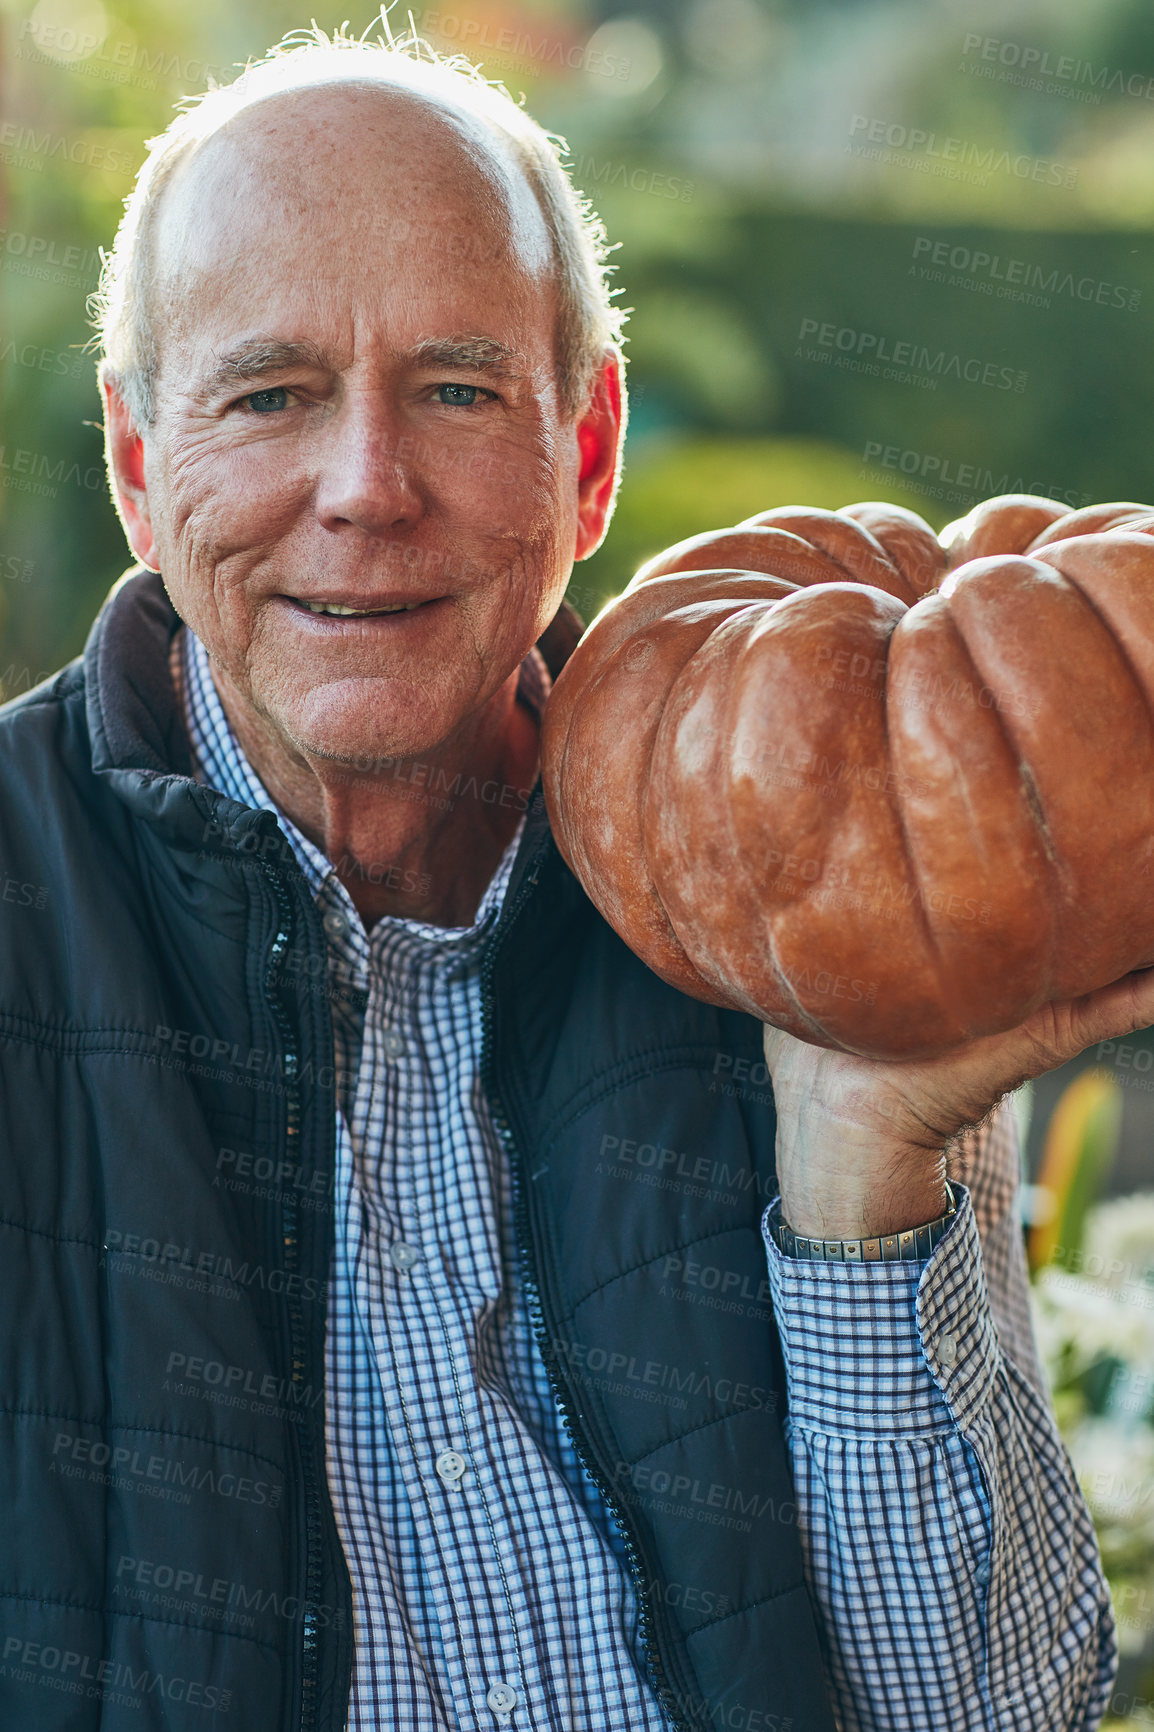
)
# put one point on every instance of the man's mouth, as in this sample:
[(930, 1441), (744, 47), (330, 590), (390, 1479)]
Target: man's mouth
[(335, 607)]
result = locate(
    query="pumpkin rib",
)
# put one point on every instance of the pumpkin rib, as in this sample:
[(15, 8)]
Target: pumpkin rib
[(1008, 524), (997, 722), (1031, 803), (858, 555), (1088, 520), (896, 881), (907, 539), (660, 842), (1072, 577), (911, 852)]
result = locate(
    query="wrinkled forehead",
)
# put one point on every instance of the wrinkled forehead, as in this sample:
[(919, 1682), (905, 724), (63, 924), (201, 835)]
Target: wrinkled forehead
[(341, 164)]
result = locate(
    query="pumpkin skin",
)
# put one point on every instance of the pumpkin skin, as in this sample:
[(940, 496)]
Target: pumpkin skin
[(828, 769)]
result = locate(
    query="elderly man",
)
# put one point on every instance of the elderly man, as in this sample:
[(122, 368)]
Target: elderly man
[(399, 1335)]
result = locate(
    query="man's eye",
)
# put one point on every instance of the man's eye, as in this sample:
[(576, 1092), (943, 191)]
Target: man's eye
[(267, 402), (463, 396)]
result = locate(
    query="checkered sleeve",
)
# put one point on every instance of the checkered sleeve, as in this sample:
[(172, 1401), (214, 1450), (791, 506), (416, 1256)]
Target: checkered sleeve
[(987, 1159), (950, 1554)]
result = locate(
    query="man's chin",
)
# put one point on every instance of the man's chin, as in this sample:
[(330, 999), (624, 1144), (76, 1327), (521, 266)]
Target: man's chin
[(354, 724), (357, 752)]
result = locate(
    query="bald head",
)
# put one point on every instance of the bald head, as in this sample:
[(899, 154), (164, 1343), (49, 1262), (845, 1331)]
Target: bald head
[(325, 178), (341, 123)]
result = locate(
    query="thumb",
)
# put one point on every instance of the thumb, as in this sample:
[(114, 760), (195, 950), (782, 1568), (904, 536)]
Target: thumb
[(1062, 1029)]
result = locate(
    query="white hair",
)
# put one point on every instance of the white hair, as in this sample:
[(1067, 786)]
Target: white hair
[(589, 327)]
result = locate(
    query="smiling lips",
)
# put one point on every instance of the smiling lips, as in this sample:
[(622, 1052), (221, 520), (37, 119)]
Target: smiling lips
[(336, 607)]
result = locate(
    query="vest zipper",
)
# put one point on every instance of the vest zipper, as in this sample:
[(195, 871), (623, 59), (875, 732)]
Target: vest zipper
[(665, 1693), (290, 1217)]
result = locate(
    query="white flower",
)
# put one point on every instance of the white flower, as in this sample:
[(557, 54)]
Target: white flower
[(1092, 1320), (1118, 1241)]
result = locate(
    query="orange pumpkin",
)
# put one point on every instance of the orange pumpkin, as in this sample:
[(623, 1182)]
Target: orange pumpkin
[(884, 790)]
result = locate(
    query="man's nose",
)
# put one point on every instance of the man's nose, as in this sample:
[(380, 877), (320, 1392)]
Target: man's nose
[(368, 470)]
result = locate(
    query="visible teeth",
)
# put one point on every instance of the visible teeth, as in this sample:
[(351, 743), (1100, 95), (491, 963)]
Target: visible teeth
[(358, 612)]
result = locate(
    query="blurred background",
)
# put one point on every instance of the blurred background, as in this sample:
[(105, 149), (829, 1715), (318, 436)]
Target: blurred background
[(896, 249)]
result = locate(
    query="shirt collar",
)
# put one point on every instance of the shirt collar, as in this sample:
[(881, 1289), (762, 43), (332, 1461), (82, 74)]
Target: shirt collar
[(218, 760)]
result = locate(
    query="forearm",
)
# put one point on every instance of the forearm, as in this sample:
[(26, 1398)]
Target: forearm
[(949, 1550)]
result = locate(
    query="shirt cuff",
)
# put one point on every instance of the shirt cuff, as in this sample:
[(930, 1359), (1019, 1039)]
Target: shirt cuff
[(892, 1349)]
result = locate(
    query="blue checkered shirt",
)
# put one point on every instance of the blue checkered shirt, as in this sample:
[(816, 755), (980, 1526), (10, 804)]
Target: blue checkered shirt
[(949, 1552)]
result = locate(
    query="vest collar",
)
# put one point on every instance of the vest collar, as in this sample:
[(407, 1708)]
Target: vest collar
[(140, 744)]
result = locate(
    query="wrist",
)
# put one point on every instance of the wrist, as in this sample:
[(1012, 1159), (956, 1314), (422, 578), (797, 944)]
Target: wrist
[(855, 1186), (845, 1215), (913, 1244)]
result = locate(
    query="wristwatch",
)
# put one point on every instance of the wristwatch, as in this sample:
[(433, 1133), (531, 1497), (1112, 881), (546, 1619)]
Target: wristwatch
[(911, 1246)]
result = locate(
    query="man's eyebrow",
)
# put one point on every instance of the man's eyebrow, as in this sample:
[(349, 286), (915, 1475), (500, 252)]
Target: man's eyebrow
[(258, 357), (479, 354)]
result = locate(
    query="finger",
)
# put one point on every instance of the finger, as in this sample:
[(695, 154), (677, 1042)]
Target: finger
[(781, 1047), (1069, 1026)]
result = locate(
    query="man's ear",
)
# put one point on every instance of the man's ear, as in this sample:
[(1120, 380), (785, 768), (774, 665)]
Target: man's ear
[(600, 431), (125, 451)]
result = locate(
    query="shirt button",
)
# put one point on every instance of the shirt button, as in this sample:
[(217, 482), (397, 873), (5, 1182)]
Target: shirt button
[(391, 1043), (403, 1257), (502, 1698), (947, 1348), (450, 1466), (335, 923), (982, 1575)]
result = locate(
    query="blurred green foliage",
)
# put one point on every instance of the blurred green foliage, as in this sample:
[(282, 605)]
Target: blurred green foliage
[(675, 489), (768, 249)]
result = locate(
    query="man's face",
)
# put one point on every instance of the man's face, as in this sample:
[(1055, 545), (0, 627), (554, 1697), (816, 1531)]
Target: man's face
[(357, 408)]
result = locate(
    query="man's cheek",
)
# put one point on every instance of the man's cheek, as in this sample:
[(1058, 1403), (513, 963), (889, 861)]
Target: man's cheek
[(223, 516)]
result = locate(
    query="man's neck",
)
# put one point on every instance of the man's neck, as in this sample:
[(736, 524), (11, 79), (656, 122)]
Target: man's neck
[(420, 837)]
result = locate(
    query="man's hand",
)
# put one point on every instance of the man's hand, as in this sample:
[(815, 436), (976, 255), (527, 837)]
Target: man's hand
[(861, 1143)]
